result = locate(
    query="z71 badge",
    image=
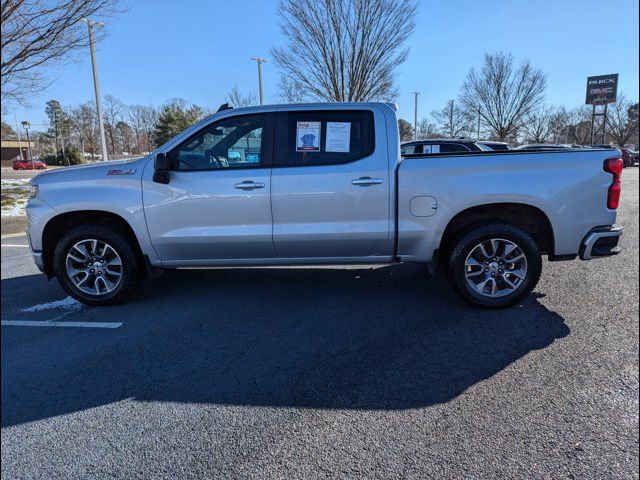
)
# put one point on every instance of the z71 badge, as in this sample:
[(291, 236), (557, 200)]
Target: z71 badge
[(131, 171)]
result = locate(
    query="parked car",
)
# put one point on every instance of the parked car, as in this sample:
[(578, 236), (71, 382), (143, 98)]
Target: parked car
[(321, 184), (497, 146), (441, 145), (627, 158), (544, 146), (29, 165)]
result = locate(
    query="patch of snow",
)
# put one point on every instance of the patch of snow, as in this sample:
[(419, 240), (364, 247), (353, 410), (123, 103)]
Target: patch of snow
[(14, 182), (20, 198), (68, 304)]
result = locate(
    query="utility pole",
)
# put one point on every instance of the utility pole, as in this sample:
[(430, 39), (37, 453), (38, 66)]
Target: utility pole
[(451, 118), (593, 119), (96, 83), (604, 123), (15, 120), (479, 121), (259, 61), (26, 126), (415, 115)]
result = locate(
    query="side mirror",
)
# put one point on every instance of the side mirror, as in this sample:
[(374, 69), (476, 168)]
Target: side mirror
[(161, 167)]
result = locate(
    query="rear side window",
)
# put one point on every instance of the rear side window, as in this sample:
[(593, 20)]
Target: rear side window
[(408, 149), (453, 147), (324, 137)]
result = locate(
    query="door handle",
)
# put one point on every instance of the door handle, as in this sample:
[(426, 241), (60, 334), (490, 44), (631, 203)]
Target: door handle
[(249, 185), (366, 181)]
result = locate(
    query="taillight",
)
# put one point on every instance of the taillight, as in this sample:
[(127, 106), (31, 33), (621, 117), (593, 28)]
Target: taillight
[(614, 166)]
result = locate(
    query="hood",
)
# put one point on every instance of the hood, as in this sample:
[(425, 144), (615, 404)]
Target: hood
[(126, 168)]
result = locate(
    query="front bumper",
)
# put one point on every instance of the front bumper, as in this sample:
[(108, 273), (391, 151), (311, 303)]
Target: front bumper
[(39, 259), (601, 242)]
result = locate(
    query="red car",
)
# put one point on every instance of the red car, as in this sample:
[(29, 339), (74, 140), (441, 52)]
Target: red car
[(627, 158), (28, 165)]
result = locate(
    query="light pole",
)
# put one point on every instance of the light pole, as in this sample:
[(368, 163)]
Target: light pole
[(415, 115), (15, 119), (96, 83), (26, 126), (259, 61)]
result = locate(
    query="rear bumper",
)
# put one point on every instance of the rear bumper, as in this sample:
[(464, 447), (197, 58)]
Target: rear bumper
[(601, 242)]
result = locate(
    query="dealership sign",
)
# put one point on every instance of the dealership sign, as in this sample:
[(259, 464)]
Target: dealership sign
[(602, 89)]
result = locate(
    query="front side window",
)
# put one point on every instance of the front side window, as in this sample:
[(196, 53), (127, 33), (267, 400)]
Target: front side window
[(235, 142)]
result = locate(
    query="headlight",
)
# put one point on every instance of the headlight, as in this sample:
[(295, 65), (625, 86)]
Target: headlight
[(33, 191)]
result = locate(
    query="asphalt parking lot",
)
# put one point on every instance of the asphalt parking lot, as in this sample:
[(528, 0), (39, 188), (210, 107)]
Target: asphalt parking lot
[(355, 372)]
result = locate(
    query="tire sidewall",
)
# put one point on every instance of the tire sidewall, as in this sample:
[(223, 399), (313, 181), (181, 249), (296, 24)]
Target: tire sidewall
[(118, 242), (469, 241)]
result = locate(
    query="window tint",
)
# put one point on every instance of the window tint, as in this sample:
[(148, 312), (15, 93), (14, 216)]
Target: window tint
[(453, 147), (408, 149), (496, 146), (324, 137), (235, 142)]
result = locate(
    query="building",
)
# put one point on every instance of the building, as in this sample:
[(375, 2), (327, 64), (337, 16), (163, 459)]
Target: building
[(10, 151)]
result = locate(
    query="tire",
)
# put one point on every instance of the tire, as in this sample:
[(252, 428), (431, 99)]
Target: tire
[(508, 278), (82, 250)]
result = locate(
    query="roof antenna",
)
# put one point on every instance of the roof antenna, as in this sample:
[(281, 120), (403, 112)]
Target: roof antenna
[(224, 106)]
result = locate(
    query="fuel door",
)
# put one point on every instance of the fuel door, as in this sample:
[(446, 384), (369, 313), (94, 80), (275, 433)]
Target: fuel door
[(423, 206)]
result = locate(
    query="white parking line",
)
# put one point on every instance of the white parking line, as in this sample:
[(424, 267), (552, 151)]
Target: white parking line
[(53, 323), (14, 245), (13, 235)]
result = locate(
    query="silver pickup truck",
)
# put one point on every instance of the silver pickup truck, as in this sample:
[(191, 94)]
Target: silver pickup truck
[(321, 184)]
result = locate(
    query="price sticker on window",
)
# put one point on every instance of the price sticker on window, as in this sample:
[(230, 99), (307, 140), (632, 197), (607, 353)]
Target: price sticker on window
[(308, 137)]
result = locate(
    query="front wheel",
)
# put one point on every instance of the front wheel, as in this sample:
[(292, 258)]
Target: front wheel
[(495, 266), (97, 265)]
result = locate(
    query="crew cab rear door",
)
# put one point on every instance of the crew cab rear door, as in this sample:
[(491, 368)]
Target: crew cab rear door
[(216, 205), (330, 193)]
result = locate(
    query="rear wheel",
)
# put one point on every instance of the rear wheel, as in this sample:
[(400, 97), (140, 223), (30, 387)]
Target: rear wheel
[(495, 266), (97, 265)]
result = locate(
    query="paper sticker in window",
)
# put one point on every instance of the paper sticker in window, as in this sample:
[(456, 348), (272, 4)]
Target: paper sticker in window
[(435, 148), (338, 137), (308, 137)]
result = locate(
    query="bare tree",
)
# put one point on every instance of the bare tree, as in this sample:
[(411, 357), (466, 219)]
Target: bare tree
[(622, 120), (506, 94), (344, 50), (40, 33), (125, 137), (237, 99), (543, 124), (578, 125), (85, 128), (452, 120), (112, 113), (143, 119), (427, 129), (291, 90)]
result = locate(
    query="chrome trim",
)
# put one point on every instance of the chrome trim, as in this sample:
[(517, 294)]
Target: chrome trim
[(594, 236)]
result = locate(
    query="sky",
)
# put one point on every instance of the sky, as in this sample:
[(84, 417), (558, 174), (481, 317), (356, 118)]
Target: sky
[(200, 49)]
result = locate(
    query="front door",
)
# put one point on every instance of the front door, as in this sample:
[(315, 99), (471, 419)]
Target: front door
[(217, 203)]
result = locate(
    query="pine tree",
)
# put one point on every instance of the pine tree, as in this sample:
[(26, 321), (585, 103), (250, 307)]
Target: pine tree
[(60, 124), (174, 117)]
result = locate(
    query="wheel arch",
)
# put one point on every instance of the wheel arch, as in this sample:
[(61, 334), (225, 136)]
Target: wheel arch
[(57, 226), (532, 220)]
